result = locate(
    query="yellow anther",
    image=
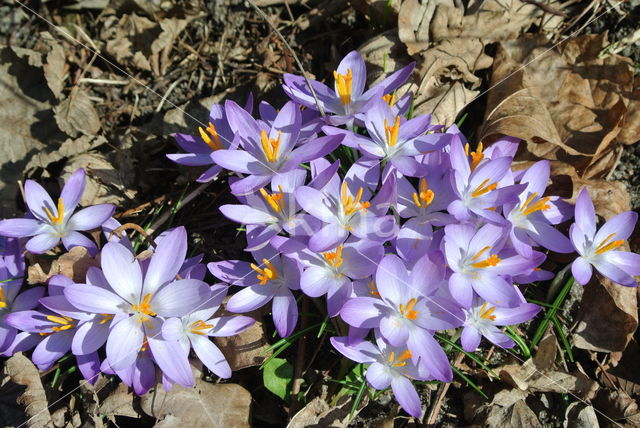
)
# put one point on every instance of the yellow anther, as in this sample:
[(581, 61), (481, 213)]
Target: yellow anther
[(484, 188), (425, 196), (605, 245), (211, 139), (270, 146), (349, 204), (200, 325), (144, 308), (267, 273), (275, 200), (65, 322), (106, 318), (477, 156), (145, 343), (334, 258), (540, 205), (491, 261), (389, 99), (374, 289), (391, 132), (343, 86), (401, 361), (60, 217), (486, 312), (407, 310), (3, 299)]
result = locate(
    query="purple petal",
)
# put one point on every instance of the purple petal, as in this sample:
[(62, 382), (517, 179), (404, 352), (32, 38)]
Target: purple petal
[(89, 366), (211, 356), (621, 225), (581, 270), (191, 159), (517, 315), (461, 289), (90, 337), (51, 349), (330, 236), (360, 352), (28, 299), (172, 360), (495, 289), (91, 217), (315, 149), (407, 396), (395, 332), (94, 299), (362, 312), (240, 121), (250, 298), (42, 243), (614, 273), (230, 326), (237, 161), (249, 184), (316, 281), (124, 343), (392, 280), (20, 227), (338, 295), (551, 238), (234, 272), (285, 312), (378, 376), (246, 215), (498, 338), (433, 357), (470, 339), (628, 262), (77, 239), (585, 213), (180, 298), (37, 200), (144, 375), (166, 261), (72, 190), (315, 203), (354, 62), (123, 271)]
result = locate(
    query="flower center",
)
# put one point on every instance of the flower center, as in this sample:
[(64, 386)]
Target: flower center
[(424, 198), (605, 245), (268, 273), (485, 313), (211, 139), (144, 309), (390, 99), (391, 132), (349, 204), (334, 258), (477, 156), (401, 361), (407, 310), (270, 146), (343, 86), (484, 188), (198, 327), (493, 260), (275, 200), (539, 205), (65, 322), (60, 217)]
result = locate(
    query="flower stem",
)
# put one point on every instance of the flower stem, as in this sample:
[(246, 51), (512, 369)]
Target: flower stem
[(552, 311)]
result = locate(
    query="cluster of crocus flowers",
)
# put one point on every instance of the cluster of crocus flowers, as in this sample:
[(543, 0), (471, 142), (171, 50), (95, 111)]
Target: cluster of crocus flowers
[(404, 227)]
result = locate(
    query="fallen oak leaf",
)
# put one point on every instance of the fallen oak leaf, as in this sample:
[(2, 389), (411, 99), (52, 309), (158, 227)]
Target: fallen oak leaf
[(22, 371)]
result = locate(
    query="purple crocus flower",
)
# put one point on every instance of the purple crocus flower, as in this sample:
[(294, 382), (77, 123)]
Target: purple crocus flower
[(272, 278), (51, 222), (348, 97), (216, 136), (268, 151), (473, 257), (407, 313), (483, 319), (600, 248), (389, 366), (11, 302), (194, 330), (141, 301)]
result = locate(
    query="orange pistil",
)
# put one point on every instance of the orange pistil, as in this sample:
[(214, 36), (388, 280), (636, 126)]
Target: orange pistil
[(349, 204), (486, 312), (65, 322), (391, 132), (270, 146), (425, 197), (390, 99), (144, 309), (334, 258), (605, 245), (401, 361), (59, 218), (407, 310), (493, 260), (477, 156), (540, 205), (275, 200), (210, 137), (484, 188), (268, 273), (343, 86), (198, 327)]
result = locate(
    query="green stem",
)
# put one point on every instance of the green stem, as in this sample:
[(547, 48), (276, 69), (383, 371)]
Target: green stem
[(552, 312)]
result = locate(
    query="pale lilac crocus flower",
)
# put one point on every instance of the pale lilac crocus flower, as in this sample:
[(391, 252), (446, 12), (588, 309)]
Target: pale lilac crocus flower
[(49, 222), (348, 97), (268, 151), (407, 312), (195, 329), (11, 301), (483, 319), (271, 278), (393, 366), (600, 248), (140, 301)]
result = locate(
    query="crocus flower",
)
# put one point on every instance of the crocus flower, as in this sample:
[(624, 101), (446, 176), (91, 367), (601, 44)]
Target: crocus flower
[(216, 136), (407, 313), (268, 151), (194, 330), (10, 302), (389, 366), (140, 302), (272, 278), (601, 248), (474, 258), (11, 257), (51, 222), (483, 319), (348, 97)]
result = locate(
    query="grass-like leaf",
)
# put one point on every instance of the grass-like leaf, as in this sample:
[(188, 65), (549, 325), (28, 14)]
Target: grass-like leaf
[(557, 303), (469, 382), (480, 361)]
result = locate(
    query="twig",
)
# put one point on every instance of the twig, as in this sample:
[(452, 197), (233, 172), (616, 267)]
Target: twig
[(295, 57), (297, 377), (442, 392), (137, 228), (166, 94)]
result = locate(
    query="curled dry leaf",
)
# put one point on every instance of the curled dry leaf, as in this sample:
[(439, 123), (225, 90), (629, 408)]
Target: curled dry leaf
[(54, 69), (20, 370), (618, 406), (73, 264), (119, 403), (319, 413), (506, 409), (68, 149), (580, 415), (76, 114), (204, 405)]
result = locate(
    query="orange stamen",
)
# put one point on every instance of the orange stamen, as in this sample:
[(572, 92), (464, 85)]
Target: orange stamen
[(484, 188), (407, 310), (391, 132), (200, 325), (343, 86), (390, 99), (424, 198), (211, 139), (486, 312), (605, 245), (60, 217), (540, 205), (270, 146), (275, 200), (334, 258), (266, 274), (349, 204)]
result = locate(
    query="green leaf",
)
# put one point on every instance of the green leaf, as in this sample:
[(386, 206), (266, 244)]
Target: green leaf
[(354, 377), (277, 377)]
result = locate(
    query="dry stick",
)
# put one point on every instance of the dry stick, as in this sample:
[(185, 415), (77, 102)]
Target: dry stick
[(442, 391), (297, 376), (137, 228), (295, 57)]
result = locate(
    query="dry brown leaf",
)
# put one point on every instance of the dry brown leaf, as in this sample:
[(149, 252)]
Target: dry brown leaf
[(384, 54), (21, 371), (319, 413), (618, 406), (119, 403), (506, 409), (518, 415), (205, 405), (54, 69), (69, 148), (630, 128), (72, 264), (246, 349), (580, 415), (76, 114), (546, 352)]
